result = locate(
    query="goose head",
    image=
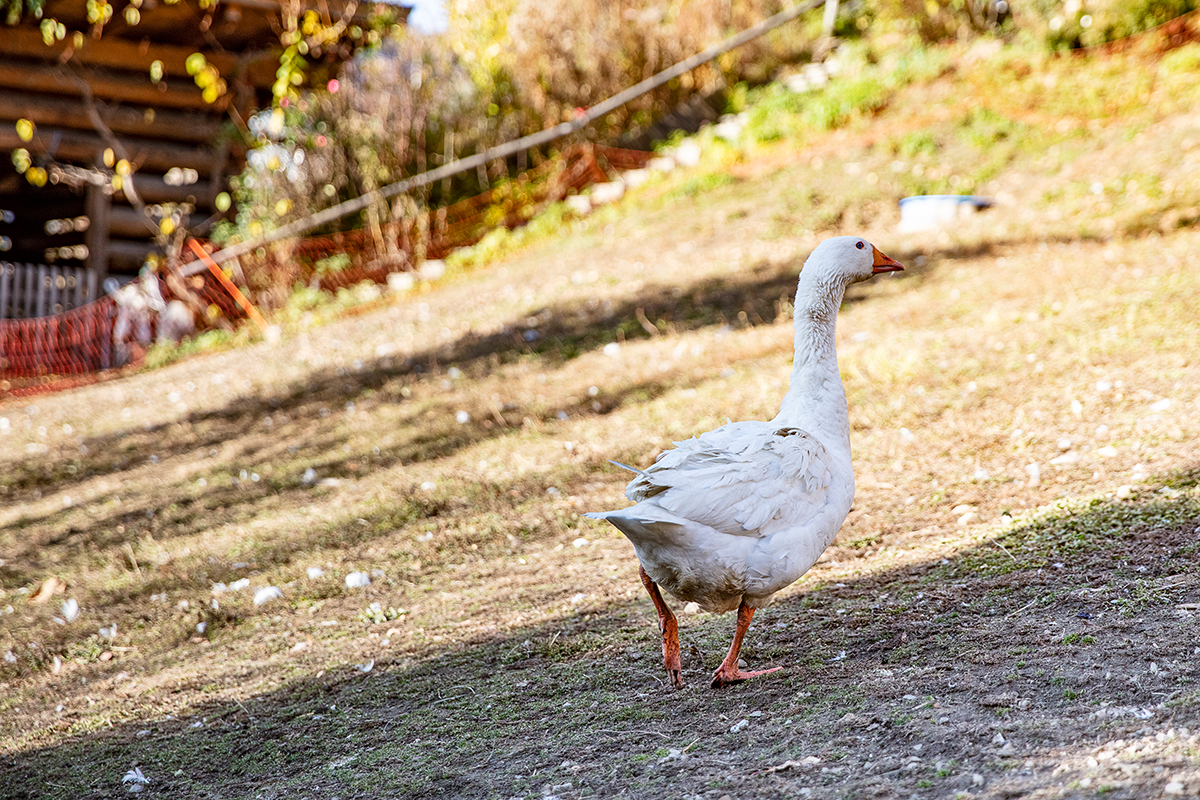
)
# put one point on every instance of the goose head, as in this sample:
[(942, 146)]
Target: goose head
[(849, 259)]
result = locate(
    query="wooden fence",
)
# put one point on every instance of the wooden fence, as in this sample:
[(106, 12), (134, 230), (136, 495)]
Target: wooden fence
[(40, 290)]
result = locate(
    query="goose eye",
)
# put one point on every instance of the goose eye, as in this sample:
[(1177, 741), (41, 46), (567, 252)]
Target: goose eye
[(859, 245)]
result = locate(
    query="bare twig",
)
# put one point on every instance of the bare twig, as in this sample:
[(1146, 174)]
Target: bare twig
[(1022, 609), (133, 559), (645, 322), (1005, 549), (642, 732), (93, 112)]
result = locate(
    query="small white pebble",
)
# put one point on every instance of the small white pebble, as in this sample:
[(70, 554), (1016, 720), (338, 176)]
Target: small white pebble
[(462, 417), (739, 726), (357, 580), (691, 608), (267, 594), (315, 572), (580, 542), (70, 609)]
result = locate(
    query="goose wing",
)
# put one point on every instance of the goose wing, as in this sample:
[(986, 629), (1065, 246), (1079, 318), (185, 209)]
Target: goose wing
[(743, 479)]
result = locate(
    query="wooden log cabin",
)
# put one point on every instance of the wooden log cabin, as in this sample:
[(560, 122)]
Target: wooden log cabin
[(59, 241)]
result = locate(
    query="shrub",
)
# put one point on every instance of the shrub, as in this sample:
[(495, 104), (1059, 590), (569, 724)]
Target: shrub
[(569, 54), (1069, 24), (1122, 18), (935, 21)]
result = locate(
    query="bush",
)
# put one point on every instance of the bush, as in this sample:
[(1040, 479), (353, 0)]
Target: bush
[(1181, 62), (1071, 24), (937, 21), (569, 54), (1117, 20)]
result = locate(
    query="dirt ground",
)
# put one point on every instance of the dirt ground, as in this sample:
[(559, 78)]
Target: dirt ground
[(1011, 609)]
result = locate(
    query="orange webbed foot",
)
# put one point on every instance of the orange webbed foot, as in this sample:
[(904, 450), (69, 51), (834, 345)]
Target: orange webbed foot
[(727, 677)]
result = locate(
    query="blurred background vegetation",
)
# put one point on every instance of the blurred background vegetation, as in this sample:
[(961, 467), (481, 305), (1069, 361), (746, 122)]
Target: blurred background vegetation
[(413, 101)]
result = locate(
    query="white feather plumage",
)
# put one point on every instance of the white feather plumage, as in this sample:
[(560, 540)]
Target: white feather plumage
[(730, 517)]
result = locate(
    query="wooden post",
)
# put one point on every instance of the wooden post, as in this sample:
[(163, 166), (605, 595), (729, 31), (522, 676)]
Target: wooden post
[(234, 292), (93, 286), (53, 296), (21, 289), (6, 271), (17, 301), (99, 205), (42, 293), (831, 9), (446, 159), (81, 292)]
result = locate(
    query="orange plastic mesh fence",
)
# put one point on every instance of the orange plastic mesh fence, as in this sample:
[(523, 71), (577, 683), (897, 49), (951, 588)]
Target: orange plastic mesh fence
[(74, 342), (52, 353)]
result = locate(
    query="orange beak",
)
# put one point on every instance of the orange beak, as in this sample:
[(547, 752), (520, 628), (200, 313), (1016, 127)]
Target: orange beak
[(884, 263)]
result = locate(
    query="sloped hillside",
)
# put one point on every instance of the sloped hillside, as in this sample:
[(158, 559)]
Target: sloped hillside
[(1010, 609)]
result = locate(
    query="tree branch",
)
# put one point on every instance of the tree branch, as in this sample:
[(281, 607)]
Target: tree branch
[(93, 112)]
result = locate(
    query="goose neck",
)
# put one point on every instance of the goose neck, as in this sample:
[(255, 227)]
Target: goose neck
[(816, 399)]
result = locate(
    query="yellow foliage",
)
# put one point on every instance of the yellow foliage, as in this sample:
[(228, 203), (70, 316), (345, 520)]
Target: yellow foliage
[(21, 159)]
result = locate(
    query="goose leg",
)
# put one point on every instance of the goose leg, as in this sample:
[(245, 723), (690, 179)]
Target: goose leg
[(669, 627), (728, 673)]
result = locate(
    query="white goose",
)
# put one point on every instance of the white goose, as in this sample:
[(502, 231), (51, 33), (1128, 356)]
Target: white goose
[(730, 517)]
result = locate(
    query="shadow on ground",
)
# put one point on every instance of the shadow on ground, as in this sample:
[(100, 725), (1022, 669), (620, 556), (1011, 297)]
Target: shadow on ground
[(995, 671), (755, 296)]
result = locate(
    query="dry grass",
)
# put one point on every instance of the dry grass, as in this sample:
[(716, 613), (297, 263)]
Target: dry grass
[(1041, 372)]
